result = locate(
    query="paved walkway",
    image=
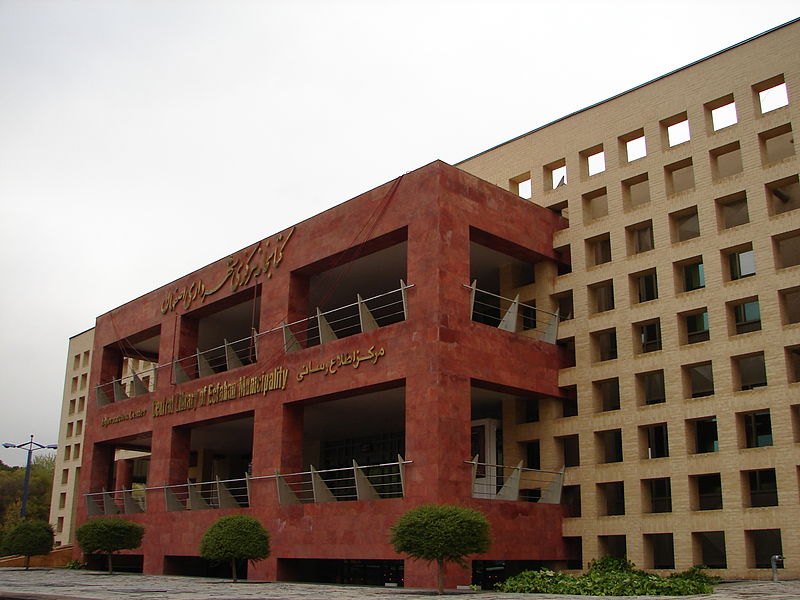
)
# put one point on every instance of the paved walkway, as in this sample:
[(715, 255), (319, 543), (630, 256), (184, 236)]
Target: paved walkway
[(62, 584)]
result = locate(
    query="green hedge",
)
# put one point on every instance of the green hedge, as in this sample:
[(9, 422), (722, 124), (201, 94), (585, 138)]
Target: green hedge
[(611, 577)]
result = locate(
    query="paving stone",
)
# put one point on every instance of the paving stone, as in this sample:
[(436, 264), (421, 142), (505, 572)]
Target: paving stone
[(61, 584)]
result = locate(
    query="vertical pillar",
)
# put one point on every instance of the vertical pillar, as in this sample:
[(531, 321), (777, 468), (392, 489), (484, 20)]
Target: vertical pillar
[(123, 474)]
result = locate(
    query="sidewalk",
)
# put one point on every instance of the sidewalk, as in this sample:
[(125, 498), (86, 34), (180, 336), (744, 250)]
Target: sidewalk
[(64, 584)]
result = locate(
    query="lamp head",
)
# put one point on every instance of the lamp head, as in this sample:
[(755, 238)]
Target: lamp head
[(52, 446), (9, 445)]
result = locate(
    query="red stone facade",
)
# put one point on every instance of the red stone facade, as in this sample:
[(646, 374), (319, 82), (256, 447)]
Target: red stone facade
[(436, 354)]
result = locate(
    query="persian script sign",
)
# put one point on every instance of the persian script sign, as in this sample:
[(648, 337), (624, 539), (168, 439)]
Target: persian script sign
[(241, 270), (349, 359)]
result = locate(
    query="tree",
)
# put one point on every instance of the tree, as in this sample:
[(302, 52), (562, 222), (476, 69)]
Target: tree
[(106, 536), (235, 537), (29, 538), (441, 533)]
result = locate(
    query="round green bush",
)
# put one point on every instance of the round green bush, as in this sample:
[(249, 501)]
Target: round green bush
[(29, 538), (235, 537)]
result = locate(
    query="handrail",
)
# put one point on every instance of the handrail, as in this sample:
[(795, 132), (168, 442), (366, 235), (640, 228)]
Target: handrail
[(360, 483), (109, 388)]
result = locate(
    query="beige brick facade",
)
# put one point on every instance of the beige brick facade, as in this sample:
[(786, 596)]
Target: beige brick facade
[(727, 196)]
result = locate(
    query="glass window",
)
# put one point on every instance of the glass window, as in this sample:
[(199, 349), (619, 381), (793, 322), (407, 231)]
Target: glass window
[(742, 264), (709, 491), (757, 429), (747, 317), (646, 286), (697, 327), (693, 276), (650, 335), (763, 487), (706, 437), (657, 441)]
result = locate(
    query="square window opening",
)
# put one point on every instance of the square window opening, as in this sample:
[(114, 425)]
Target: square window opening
[(593, 160), (756, 429), (787, 249), (732, 210), (602, 295), (750, 371), (607, 394), (521, 185), (722, 113), (676, 130), (648, 335), (633, 145), (609, 446), (741, 262), (651, 388), (657, 494), (706, 491), (655, 441), (776, 144), (772, 94), (783, 195), (598, 250), (703, 434), (685, 224), (555, 174), (745, 316), (640, 237), (695, 326), (790, 305), (698, 380), (636, 191), (726, 161), (605, 345), (679, 176), (595, 205)]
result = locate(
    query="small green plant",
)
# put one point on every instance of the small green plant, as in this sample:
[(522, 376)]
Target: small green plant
[(106, 536), (611, 577), (235, 537), (441, 533), (75, 564), (29, 538)]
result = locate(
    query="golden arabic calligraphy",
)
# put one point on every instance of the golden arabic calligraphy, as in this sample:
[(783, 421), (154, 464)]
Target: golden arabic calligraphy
[(239, 273), (349, 359)]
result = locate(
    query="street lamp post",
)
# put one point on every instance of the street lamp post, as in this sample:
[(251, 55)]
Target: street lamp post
[(31, 446)]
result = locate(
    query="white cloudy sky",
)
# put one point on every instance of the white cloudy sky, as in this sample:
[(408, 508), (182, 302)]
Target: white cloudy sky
[(141, 139)]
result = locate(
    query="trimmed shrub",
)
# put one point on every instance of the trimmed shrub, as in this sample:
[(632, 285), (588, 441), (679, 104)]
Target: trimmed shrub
[(235, 537), (106, 536), (441, 533), (29, 538)]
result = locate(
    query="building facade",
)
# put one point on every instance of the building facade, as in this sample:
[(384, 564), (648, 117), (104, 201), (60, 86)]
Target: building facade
[(681, 309), (67, 469), (591, 333)]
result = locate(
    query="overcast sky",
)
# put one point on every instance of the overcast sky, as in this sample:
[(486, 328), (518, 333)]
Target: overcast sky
[(140, 140)]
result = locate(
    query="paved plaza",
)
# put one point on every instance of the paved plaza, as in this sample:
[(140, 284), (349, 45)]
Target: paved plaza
[(61, 584)]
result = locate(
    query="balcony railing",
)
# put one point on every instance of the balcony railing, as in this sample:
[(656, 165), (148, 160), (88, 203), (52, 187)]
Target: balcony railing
[(509, 314), (357, 317), (360, 316), (503, 482), (371, 482)]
